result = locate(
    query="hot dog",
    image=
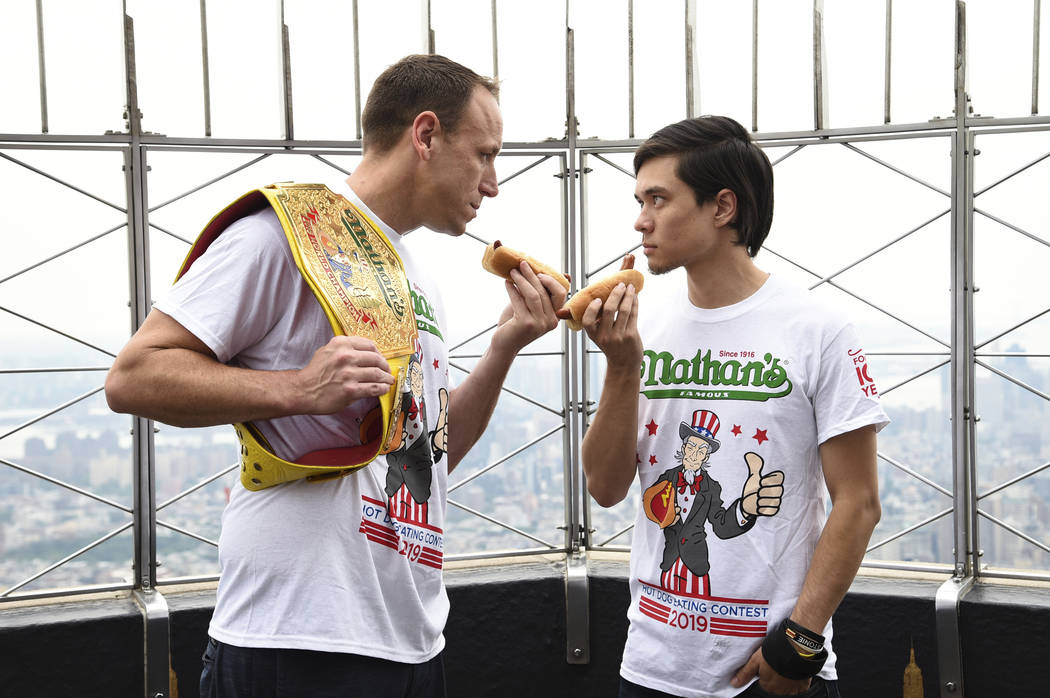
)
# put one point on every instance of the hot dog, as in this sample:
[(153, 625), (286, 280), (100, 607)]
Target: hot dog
[(572, 311), (500, 259)]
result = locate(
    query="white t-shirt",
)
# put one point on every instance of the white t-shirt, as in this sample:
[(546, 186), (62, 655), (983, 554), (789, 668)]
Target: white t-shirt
[(776, 374), (344, 565)]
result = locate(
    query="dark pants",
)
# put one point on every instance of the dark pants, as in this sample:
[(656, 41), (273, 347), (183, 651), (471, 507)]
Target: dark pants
[(252, 672), (819, 688)]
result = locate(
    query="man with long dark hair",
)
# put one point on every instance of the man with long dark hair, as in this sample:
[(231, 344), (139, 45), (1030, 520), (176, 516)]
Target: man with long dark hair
[(783, 382)]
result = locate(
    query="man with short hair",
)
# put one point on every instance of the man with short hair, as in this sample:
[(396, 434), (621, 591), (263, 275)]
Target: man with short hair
[(741, 362), (332, 576)]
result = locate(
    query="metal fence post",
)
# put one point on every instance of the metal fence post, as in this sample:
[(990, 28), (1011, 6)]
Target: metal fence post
[(949, 644), (154, 608)]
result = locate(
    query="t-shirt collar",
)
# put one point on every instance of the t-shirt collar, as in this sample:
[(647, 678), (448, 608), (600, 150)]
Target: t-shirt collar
[(767, 290)]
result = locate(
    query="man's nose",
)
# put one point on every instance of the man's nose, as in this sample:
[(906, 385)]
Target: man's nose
[(643, 224), (489, 183)]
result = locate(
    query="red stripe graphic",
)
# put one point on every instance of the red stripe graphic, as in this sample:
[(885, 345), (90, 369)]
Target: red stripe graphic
[(654, 610), (733, 633), (430, 560), (740, 624), (378, 534), (386, 536), (738, 628)]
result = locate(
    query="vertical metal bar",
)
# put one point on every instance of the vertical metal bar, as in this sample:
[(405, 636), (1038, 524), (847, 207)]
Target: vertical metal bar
[(357, 72), (581, 364), (692, 63), (820, 101), (949, 651), (754, 65), (888, 49), (205, 68), (962, 359), (428, 29), (570, 365), (571, 173), (495, 43), (156, 632), (145, 544), (1036, 7), (577, 609), (630, 68), (286, 79), (40, 64), (577, 601)]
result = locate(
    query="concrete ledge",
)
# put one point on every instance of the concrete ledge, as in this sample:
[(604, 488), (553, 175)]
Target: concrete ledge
[(506, 637), (1004, 628), (506, 631), (876, 626), (79, 648)]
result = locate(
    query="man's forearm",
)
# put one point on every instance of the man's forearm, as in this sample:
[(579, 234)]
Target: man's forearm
[(835, 562), (187, 389), (609, 445)]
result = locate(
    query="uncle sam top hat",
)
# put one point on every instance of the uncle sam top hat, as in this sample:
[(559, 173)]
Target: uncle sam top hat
[(705, 425)]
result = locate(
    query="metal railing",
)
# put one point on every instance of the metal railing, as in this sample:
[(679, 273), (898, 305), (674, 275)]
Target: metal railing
[(577, 163)]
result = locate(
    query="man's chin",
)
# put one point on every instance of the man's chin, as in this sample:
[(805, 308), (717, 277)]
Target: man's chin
[(452, 230), (656, 268)]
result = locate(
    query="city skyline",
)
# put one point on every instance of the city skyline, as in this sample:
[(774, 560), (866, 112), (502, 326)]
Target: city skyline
[(41, 523)]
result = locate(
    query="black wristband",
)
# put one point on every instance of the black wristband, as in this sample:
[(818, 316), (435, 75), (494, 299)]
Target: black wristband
[(804, 637), (780, 654)]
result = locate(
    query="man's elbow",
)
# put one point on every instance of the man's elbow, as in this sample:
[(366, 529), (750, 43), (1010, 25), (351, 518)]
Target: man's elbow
[(114, 393), (867, 510), (118, 389), (604, 494), (875, 511)]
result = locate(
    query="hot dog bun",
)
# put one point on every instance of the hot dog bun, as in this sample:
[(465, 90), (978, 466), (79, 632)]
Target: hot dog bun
[(500, 259), (572, 311)]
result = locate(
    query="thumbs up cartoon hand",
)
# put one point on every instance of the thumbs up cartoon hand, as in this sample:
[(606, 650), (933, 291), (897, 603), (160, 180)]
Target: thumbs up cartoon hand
[(762, 493), (439, 437)]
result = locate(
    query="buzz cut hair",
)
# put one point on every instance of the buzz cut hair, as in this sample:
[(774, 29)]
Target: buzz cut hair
[(415, 84)]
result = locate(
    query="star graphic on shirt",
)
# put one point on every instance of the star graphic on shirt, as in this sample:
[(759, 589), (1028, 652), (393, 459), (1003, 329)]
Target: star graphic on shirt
[(637, 460), (736, 430), (760, 436), (652, 426), (652, 460), (435, 364)]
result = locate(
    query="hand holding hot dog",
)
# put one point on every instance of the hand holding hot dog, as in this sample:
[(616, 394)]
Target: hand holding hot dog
[(573, 311), (608, 311), (535, 291)]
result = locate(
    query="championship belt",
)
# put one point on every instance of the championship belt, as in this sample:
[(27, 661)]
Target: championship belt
[(360, 282)]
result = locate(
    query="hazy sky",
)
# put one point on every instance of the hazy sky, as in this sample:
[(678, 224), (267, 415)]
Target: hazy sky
[(833, 204)]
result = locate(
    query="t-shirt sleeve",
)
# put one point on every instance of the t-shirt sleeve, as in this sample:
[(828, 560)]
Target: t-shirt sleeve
[(846, 396), (231, 296)]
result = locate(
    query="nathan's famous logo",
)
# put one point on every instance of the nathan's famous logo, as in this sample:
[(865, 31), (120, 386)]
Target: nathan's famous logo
[(426, 320), (709, 378), (393, 294)]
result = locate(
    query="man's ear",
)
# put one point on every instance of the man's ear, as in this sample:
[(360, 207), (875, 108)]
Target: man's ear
[(424, 127), (725, 207)]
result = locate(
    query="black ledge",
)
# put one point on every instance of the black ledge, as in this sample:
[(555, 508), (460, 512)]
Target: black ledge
[(506, 637)]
